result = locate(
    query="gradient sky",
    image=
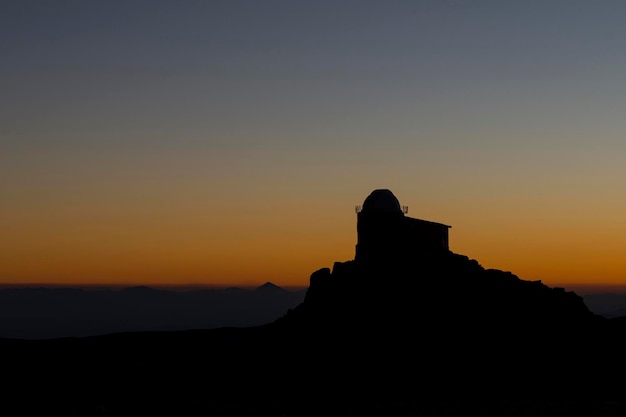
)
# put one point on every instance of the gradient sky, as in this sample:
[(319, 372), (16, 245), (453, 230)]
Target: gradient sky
[(227, 142)]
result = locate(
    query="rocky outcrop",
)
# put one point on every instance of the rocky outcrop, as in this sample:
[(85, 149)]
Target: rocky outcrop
[(446, 289), (442, 324)]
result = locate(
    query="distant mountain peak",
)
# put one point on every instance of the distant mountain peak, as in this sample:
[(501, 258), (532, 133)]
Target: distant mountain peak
[(268, 286), (139, 288)]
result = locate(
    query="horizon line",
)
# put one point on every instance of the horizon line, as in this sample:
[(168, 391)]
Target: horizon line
[(579, 288), (174, 287)]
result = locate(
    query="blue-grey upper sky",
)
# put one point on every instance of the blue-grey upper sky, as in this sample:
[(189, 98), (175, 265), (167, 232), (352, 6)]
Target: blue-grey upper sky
[(315, 67)]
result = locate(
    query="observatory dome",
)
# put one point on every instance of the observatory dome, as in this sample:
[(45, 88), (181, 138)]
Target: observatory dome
[(381, 200)]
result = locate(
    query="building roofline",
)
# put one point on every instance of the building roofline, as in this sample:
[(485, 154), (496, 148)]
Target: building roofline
[(428, 221)]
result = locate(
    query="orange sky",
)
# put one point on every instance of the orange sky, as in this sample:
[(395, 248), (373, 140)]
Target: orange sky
[(287, 236)]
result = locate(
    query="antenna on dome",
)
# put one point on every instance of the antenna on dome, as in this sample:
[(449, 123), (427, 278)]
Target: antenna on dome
[(358, 209), (405, 209)]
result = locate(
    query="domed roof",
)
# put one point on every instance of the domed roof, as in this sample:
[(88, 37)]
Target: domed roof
[(381, 200)]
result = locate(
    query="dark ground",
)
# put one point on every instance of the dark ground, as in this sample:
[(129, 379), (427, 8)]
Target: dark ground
[(433, 336)]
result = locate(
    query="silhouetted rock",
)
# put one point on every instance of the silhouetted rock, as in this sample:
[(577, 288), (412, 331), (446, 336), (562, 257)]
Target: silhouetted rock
[(443, 315)]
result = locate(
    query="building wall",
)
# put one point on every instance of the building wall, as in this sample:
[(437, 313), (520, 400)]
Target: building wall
[(426, 235), (385, 235)]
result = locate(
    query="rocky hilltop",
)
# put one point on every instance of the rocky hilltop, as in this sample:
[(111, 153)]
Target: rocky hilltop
[(445, 327)]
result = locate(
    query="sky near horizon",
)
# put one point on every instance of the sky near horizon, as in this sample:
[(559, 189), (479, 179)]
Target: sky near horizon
[(227, 142)]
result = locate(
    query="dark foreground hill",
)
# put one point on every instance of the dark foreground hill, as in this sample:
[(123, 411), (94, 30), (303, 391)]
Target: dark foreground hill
[(430, 335)]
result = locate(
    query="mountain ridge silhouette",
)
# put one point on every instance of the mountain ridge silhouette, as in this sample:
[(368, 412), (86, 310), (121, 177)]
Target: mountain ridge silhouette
[(44, 313)]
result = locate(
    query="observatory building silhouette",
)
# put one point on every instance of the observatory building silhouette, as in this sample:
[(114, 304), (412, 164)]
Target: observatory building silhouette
[(385, 232)]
